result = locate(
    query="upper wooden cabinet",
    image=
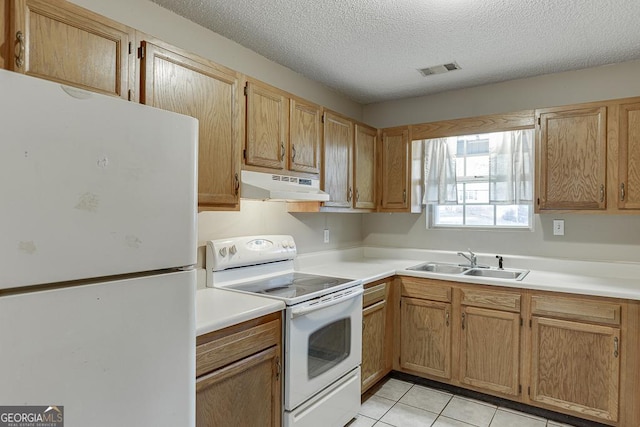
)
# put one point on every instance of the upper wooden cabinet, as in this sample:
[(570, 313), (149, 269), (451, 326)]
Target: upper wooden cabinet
[(267, 127), (283, 132), (572, 158), (59, 41), (364, 175), (305, 136), (177, 81), (337, 178), (395, 155), (628, 190)]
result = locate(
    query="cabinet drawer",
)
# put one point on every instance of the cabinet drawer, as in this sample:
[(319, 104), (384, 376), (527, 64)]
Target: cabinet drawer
[(576, 309), (229, 348), (434, 290), (498, 300), (374, 294)]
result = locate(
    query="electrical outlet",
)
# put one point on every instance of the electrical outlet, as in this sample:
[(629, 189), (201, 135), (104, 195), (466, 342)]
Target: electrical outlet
[(326, 235), (558, 227)]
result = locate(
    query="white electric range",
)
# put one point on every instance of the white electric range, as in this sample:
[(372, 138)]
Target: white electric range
[(322, 325)]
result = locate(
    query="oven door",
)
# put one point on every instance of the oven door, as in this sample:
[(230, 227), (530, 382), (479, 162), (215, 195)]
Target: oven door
[(323, 340)]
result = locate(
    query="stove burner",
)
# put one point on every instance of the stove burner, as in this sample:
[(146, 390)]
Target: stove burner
[(290, 285)]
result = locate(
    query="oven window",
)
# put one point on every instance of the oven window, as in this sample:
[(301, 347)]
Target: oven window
[(328, 347)]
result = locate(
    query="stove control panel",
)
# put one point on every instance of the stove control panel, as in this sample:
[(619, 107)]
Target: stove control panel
[(243, 251)]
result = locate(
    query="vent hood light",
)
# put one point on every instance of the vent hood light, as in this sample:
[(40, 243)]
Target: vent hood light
[(267, 186), (439, 69)]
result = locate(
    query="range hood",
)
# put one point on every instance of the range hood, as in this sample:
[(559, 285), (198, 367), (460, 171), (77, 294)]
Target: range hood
[(267, 186)]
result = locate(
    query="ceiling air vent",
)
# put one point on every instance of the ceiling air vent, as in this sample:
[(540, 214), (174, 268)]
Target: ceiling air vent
[(439, 69)]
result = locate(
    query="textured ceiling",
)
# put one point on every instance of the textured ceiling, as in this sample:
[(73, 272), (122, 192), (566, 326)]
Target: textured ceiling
[(370, 50)]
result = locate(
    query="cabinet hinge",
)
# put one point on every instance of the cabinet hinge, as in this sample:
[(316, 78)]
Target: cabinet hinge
[(538, 201), (530, 323), (244, 154), (246, 89), (529, 391), (323, 117), (278, 367), (519, 388), (130, 48), (141, 52), (130, 95), (538, 121), (521, 322)]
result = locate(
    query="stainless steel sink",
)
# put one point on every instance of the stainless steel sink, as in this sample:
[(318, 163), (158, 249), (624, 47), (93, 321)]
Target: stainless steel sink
[(439, 267), (497, 274), (457, 269)]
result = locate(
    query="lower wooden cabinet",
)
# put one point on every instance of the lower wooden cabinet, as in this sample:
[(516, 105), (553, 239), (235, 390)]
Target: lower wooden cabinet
[(238, 373), (490, 350), (376, 334), (567, 353)]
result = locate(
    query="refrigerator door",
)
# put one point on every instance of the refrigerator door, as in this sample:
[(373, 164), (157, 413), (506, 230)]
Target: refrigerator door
[(91, 186), (120, 353)]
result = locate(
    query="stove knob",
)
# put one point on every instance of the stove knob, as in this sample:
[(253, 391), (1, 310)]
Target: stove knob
[(233, 250), (292, 244), (223, 252), (285, 244)]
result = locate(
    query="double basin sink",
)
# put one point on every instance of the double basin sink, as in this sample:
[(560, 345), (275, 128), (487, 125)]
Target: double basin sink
[(457, 269)]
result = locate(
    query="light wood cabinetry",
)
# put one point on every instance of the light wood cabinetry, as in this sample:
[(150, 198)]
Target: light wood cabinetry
[(425, 327), (59, 41), (267, 126), (305, 136), (4, 34), (364, 176), (337, 178), (238, 374), (575, 360), (395, 157), (376, 333), (490, 340), (177, 81), (628, 190), (284, 133), (572, 158)]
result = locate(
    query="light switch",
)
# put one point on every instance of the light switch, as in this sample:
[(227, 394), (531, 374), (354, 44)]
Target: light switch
[(558, 227)]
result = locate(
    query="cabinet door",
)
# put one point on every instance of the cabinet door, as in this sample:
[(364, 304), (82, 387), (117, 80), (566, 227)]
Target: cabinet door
[(267, 127), (336, 163), (366, 139), (575, 367), (572, 159), (59, 41), (490, 350), (425, 337), (244, 393), (395, 170), (200, 89), (304, 133), (374, 363), (629, 157)]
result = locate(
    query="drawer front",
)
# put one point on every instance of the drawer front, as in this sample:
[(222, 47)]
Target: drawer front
[(374, 294), (228, 349), (576, 309), (434, 290), (498, 300)]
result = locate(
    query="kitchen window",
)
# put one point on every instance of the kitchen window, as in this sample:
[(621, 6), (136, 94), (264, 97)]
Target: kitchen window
[(480, 181)]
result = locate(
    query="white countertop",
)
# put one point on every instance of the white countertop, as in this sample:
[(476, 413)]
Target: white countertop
[(219, 308)]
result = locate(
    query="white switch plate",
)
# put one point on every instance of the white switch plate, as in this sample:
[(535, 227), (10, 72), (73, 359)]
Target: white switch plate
[(558, 227), (326, 235)]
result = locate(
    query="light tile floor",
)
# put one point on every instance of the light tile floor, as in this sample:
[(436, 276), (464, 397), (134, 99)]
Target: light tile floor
[(402, 404)]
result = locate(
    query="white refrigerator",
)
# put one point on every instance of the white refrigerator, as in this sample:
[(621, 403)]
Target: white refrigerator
[(97, 256)]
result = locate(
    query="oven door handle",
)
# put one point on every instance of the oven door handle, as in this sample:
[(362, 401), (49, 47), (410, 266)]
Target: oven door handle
[(301, 311)]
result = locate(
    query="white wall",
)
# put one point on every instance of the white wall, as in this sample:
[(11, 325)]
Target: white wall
[(592, 84), (148, 17), (596, 237)]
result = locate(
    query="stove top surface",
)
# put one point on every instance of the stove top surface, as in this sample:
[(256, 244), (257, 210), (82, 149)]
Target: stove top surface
[(293, 286)]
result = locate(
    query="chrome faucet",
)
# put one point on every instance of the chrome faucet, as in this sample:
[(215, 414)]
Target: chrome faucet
[(473, 260)]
